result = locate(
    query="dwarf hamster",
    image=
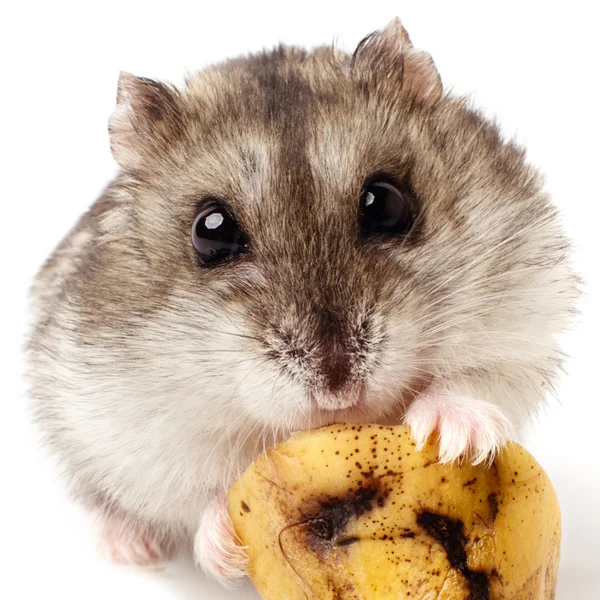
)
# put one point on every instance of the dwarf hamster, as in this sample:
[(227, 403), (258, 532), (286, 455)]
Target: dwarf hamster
[(293, 239)]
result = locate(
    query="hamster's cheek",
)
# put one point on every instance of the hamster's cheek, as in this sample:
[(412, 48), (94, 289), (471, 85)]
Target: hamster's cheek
[(401, 364), (269, 397)]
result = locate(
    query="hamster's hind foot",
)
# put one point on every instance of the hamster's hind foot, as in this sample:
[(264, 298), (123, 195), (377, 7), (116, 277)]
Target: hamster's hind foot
[(123, 543)]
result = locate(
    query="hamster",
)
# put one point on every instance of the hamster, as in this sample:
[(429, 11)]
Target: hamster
[(293, 239)]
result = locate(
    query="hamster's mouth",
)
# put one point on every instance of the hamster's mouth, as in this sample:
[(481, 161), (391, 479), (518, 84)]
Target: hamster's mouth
[(362, 412), (351, 410), (354, 414)]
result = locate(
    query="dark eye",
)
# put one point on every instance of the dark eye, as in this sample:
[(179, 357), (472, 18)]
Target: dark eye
[(385, 209), (216, 235)]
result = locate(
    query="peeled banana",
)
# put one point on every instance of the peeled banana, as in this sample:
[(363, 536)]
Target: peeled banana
[(354, 512)]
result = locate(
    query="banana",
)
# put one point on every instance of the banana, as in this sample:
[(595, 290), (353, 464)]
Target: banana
[(354, 512)]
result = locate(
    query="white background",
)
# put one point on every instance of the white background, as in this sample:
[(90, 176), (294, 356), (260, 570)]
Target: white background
[(534, 66)]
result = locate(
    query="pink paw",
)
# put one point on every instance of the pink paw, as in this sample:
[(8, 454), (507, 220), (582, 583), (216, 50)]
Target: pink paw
[(216, 549), (465, 427), (124, 544)]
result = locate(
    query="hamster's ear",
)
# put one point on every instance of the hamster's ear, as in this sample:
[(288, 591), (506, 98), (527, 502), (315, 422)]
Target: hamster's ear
[(146, 120), (388, 58)]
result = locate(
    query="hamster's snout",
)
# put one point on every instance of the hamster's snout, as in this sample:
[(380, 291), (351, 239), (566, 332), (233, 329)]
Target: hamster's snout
[(335, 368), (329, 356)]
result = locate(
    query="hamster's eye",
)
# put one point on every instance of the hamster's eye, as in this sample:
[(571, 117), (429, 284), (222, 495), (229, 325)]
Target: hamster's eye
[(385, 209), (217, 236)]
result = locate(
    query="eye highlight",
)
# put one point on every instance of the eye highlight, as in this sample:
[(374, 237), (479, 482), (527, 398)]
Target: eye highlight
[(216, 235), (385, 209)]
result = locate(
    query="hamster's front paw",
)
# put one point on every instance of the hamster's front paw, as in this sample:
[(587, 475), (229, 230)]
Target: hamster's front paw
[(216, 549), (125, 544), (465, 427)]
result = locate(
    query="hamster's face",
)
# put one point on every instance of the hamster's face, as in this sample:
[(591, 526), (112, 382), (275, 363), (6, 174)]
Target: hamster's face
[(329, 234)]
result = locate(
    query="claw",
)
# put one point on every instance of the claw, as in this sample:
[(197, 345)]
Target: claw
[(466, 428)]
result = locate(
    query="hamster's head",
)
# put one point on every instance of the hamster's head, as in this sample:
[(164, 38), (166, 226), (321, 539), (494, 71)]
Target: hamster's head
[(327, 234)]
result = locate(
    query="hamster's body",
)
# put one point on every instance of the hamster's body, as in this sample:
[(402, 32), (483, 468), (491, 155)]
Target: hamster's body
[(158, 373)]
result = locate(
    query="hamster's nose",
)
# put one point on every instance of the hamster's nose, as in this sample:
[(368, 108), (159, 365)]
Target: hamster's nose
[(335, 368)]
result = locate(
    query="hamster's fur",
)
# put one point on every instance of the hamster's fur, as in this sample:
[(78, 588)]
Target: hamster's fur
[(156, 380)]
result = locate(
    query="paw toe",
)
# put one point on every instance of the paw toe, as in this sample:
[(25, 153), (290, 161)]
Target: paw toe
[(466, 428), (422, 418)]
